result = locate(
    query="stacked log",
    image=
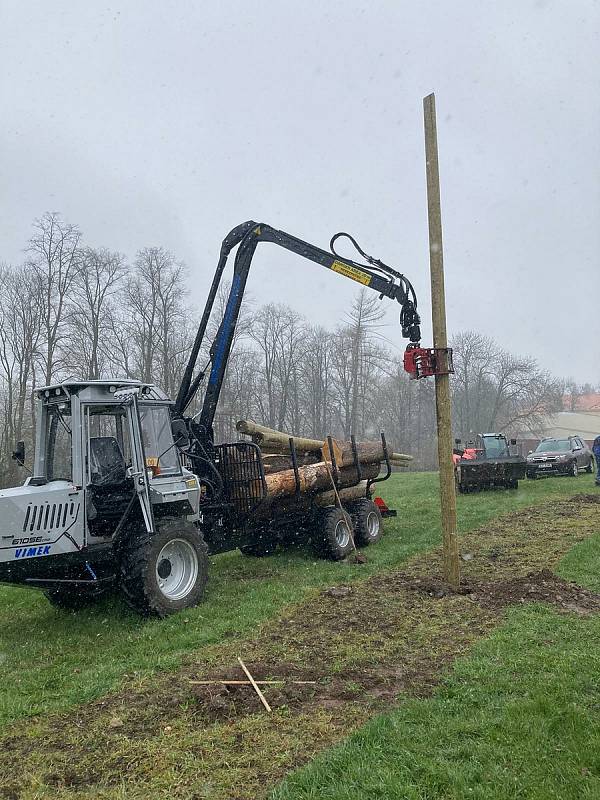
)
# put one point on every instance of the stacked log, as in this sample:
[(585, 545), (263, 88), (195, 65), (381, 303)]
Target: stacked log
[(314, 478), (346, 495), (314, 461), (277, 442), (293, 503), (274, 462)]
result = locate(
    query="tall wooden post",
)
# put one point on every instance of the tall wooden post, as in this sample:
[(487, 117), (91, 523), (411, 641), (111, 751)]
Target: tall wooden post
[(440, 339)]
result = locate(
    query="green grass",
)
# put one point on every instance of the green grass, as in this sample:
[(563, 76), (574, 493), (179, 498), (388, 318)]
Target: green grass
[(518, 718), (52, 660), (582, 563)]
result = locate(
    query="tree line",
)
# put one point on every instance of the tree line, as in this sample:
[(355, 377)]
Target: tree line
[(75, 311)]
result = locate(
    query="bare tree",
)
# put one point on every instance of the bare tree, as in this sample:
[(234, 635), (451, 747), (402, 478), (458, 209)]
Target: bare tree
[(354, 359), (157, 317), (405, 409), (475, 359), (278, 332), (55, 263), (316, 388), (523, 394), (363, 318), (123, 355), (99, 279), (20, 335), (241, 388), (495, 390)]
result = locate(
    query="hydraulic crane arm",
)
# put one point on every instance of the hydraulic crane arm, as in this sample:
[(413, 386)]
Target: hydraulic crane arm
[(374, 274)]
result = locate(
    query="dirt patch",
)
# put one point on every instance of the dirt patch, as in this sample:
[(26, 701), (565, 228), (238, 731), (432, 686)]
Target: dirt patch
[(586, 498), (220, 701), (535, 587), (223, 703)]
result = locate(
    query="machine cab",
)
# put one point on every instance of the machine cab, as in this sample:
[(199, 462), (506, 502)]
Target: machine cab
[(110, 444)]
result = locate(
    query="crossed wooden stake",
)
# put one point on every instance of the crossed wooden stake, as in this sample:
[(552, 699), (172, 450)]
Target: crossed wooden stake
[(251, 682)]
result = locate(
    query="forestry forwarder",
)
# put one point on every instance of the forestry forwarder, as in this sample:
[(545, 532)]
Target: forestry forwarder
[(127, 491)]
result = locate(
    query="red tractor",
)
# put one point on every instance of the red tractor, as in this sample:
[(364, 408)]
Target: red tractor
[(487, 463)]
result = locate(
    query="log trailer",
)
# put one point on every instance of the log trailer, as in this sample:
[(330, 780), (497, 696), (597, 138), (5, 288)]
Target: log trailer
[(129, 491)]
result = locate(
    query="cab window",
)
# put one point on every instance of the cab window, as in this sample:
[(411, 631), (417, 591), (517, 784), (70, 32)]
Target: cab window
[(107, 445), (495, 447), (58, 443), (159, 446)]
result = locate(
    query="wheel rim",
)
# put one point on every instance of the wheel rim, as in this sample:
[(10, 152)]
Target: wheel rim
[(176, 569), (342, 533), (575, 470), (372, 525)]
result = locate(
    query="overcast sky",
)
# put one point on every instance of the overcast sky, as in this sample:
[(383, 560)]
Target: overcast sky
[(168, 123)]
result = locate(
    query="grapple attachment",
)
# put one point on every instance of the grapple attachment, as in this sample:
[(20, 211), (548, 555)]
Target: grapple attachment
[(423, 362)]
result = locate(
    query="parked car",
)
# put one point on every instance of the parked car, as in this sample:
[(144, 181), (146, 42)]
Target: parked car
[(567, 456)]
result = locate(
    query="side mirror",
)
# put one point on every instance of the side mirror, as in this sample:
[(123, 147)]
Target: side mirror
[(19, 454), (513, 441), (457, 442), (180, 433), (529, 452)]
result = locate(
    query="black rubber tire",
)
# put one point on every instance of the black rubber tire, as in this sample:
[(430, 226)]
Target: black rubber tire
[(367, 522), (138, 568), (512, 483), (329, 522), (72, 599), (263, 545), (573, 470), (458, 484), (590, 467), (532, 476)]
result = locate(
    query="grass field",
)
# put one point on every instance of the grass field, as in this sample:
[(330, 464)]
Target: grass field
[(54, 665)]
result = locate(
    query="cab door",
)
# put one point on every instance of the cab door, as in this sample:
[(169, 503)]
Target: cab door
[(139, 470), (107, 456)]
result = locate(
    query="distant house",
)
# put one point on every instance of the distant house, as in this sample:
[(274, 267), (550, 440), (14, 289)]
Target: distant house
[(585, 424), (587, 403)]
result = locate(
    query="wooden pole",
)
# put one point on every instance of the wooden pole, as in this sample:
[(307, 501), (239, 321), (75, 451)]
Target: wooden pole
[(255, 686), (440, 340)]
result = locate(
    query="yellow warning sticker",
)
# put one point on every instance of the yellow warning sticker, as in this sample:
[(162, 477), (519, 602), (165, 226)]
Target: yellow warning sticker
[(351, 272)]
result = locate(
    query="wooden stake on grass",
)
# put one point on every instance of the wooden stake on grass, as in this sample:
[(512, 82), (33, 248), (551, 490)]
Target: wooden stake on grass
[(440, 340), (225, 682), (235, 683), (255, 685)]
